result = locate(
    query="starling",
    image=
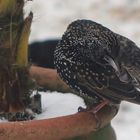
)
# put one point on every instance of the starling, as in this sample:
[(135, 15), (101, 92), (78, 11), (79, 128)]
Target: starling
[(95, 61)]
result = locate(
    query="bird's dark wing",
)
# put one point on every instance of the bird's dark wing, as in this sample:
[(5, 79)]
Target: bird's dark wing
[(129, 56), (111, 80), (109, 86)]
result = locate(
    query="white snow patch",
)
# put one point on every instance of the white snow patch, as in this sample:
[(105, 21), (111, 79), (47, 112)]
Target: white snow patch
[(127, 122), (55, 104)]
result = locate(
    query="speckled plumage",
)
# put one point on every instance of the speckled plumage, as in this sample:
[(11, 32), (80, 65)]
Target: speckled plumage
[(97, 62)]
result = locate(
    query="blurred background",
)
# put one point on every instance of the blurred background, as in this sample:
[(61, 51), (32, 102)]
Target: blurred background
[(51, 18)]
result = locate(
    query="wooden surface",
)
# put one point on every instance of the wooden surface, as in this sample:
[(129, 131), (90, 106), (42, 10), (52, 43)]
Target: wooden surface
[(56, 128)]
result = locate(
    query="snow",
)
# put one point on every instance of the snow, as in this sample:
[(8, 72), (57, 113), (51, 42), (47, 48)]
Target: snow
[(127, 122), (51, 18), (55, 104)]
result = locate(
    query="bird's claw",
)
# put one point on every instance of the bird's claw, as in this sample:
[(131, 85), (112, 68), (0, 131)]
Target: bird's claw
[(98, 121), (81, 109), (93, 112)]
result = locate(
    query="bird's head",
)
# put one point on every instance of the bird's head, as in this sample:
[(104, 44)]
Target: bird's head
[(92, 48), (87, 38)]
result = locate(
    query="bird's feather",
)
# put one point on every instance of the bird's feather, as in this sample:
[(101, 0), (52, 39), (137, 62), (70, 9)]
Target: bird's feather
[(114, 90), (129, 56), (99, 62)]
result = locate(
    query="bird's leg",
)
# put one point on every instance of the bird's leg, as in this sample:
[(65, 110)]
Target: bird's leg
[(94, 111)]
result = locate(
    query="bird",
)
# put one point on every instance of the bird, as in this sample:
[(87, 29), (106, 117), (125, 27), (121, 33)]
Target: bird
[(97, 62)]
